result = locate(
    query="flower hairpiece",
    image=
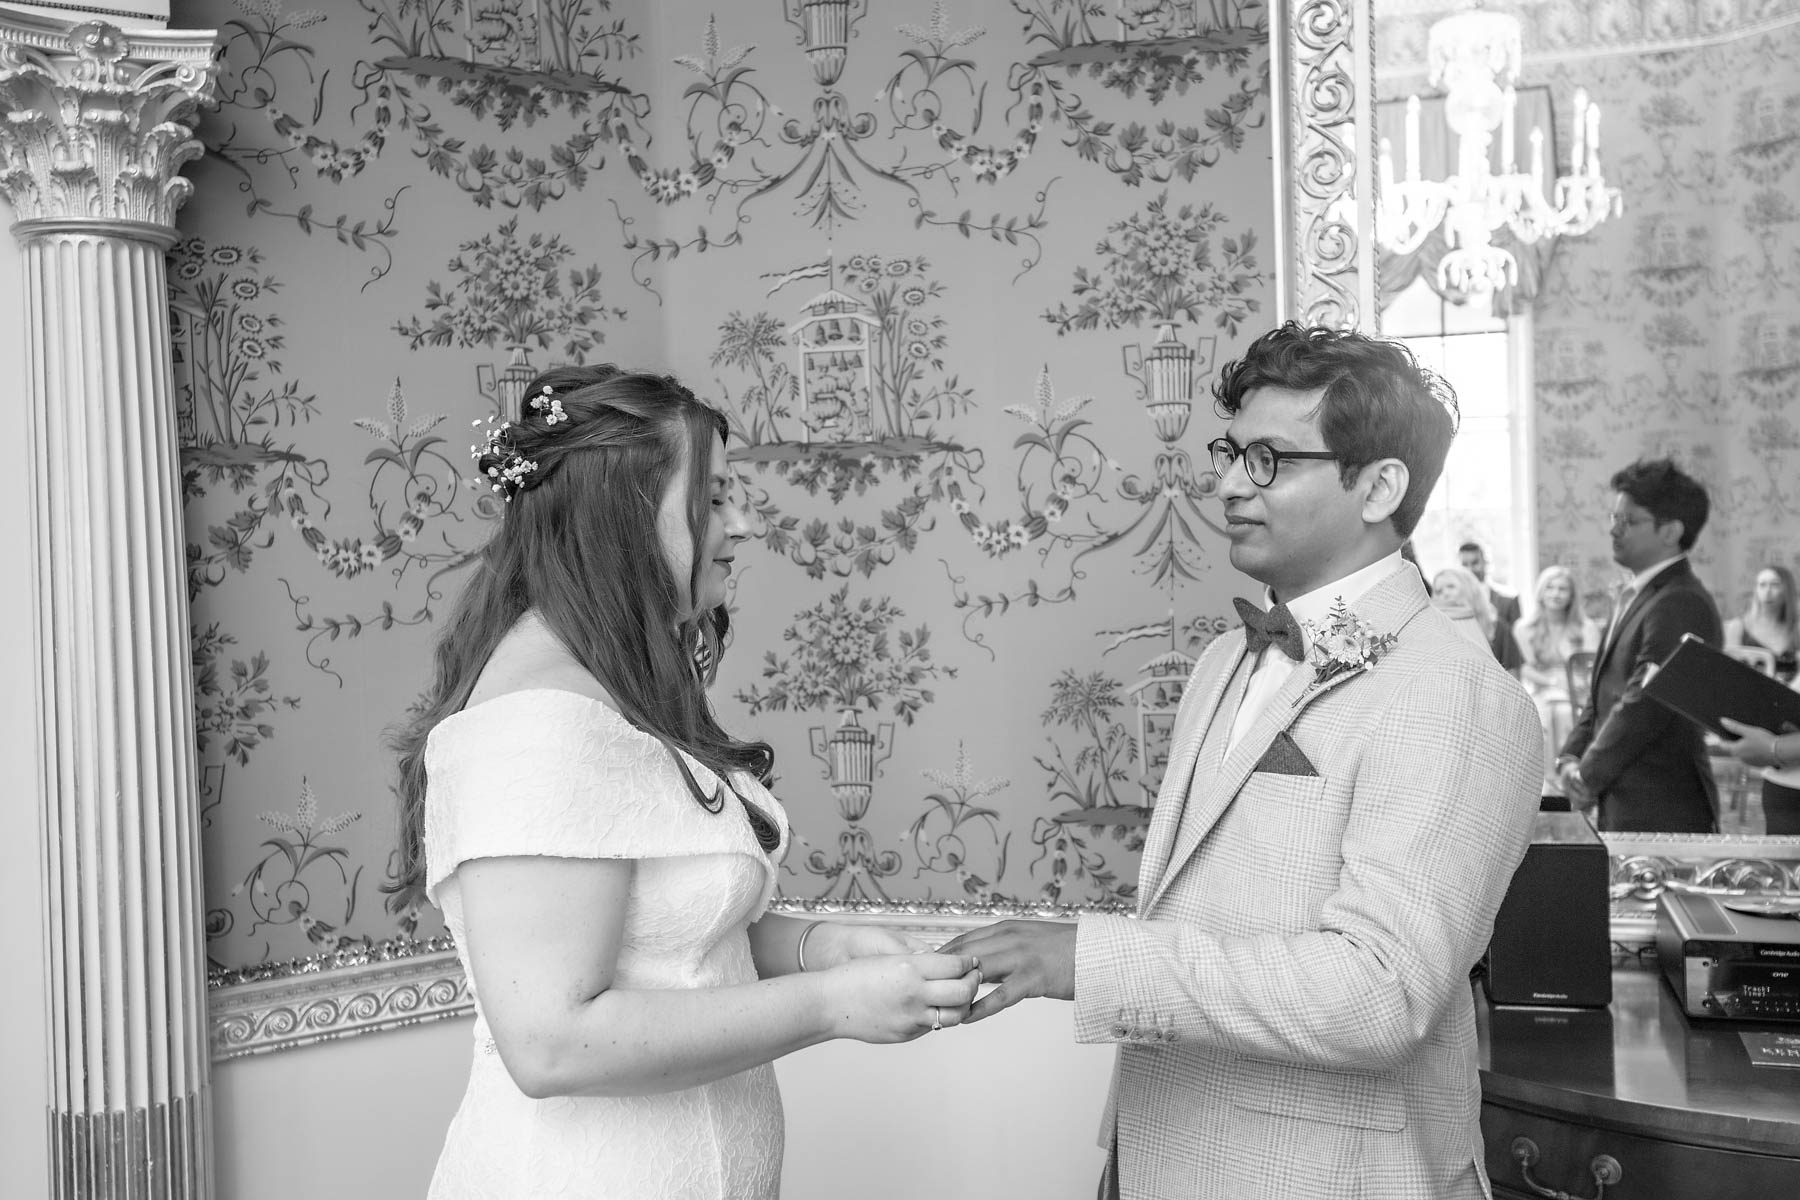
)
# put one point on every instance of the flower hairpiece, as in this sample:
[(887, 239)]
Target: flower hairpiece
[(507, 476), (1344, 643), (552, 408)]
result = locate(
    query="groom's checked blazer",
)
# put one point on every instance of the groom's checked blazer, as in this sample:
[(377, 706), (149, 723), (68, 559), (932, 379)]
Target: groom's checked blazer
[(1291, 1002)]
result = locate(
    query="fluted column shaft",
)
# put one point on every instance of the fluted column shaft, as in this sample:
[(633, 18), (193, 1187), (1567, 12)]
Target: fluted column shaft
[(126, 955), (94, 126)]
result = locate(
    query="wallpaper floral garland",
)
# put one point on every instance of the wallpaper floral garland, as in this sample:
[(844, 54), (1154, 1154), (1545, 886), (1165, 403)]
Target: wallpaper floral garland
[(963, 333)]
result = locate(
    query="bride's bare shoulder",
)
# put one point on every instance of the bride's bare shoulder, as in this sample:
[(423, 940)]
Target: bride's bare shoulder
[(531, 658)]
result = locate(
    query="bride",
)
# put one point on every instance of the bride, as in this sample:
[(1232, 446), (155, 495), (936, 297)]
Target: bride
[(604, 853)]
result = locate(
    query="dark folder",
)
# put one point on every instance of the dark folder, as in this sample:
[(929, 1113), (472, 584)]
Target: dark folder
[(1704, 684)]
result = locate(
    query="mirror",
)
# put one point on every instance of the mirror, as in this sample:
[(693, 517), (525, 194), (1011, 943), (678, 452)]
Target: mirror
[(1666, 329), (1273, 92)]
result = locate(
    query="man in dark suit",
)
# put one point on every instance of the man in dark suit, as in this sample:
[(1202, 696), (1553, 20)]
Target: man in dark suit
[(1505, 605), (1644, 765)]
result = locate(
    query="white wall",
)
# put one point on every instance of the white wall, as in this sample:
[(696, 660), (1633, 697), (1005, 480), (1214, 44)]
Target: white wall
[(1006, 1108), (24, 1095), (358, 1119)]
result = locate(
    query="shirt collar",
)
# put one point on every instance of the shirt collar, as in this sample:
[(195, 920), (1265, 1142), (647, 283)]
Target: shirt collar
[(1647, 574), (1315, 606)]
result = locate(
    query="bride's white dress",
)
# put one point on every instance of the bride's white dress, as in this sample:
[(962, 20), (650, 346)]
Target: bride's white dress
[(553, 773)]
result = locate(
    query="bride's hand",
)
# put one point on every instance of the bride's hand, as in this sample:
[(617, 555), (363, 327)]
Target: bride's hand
[(837, 942), (898, 997)]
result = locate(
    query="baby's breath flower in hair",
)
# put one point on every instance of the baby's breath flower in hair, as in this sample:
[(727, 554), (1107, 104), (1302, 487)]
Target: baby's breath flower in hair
[(506, 476), (552, 408)]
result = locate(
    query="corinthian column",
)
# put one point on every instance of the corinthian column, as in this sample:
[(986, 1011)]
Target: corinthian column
[(95, 124)]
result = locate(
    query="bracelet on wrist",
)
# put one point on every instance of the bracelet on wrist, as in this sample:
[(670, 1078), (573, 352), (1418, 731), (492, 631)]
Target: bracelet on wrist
[(800, 946)]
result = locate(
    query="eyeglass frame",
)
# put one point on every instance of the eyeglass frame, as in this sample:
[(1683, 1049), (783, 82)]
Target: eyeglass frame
[(1614, 521), (1275, 458)]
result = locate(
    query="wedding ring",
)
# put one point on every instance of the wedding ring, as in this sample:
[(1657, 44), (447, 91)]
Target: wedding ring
[(936, 1022)]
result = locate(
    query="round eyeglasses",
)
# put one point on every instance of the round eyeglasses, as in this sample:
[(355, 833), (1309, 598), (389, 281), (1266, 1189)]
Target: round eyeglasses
[(1261, 460)]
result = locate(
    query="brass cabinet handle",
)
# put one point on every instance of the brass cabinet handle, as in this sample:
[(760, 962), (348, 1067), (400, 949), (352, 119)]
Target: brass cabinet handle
[(1604, 1168)]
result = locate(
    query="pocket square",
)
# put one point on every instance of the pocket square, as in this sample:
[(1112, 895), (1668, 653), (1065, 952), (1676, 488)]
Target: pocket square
[(1283, 757)]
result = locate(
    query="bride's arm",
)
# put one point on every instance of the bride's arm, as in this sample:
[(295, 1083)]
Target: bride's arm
[(775, 943), (543, 942)]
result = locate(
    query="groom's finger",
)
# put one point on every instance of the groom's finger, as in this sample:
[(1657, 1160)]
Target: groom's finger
[(1000, 999), (945, 966), (986, 941)]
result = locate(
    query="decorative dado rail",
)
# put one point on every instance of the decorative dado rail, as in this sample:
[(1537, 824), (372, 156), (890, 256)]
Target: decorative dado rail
[(396, 984)]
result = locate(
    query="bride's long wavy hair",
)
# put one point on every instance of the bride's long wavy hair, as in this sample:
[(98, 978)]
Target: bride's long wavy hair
[(578, 543)]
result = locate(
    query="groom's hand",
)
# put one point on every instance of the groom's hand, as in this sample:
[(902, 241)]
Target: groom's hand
[(1026, 958)]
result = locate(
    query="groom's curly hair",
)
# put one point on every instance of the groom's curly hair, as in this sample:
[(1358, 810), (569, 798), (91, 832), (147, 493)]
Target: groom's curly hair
[(1378, 402)]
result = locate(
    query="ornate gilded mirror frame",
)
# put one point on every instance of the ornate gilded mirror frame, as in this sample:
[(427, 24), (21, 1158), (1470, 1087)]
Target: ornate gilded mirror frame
[(1644, 865), (1321, 83)]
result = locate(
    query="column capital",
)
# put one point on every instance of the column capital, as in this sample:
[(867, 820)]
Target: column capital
[(96, 122)]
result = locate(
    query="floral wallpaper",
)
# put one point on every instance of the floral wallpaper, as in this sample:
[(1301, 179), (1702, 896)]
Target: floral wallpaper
[(1675, 328), (960, 274)]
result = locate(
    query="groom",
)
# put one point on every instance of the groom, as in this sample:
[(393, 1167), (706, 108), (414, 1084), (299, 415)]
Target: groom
[(1343, 808)]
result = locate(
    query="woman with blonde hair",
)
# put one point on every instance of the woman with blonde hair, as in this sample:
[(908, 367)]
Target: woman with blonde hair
[(1553, 630), (603, 851), (1459, 595), (1771, 621)]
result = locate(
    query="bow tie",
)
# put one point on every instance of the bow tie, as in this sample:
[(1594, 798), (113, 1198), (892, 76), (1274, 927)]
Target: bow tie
[(1275, 627)]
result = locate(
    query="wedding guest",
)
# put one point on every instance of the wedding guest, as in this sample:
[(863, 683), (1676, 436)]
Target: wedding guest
[(1771, 622), (1779, 757), (1505, 604), (1643, 766), (1458, 595), (603, 851), (1552, 630), (1350, 787)]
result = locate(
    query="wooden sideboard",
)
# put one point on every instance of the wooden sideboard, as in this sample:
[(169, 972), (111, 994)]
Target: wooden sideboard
[(1637, 1094)]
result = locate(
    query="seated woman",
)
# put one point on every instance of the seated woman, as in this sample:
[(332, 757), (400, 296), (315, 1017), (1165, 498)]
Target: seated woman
[(1458, 595), (1772, 621), (1553, 629)]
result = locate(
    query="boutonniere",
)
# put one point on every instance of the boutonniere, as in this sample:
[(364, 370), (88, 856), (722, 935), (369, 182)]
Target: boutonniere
[(1344, 644)]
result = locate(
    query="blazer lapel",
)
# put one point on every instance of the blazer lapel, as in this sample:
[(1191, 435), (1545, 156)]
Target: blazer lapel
[(1209, 798), (1200, 708), (1389, 607), (1640, 604)]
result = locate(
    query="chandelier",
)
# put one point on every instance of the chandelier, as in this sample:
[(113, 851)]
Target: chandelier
[(1475, 57)]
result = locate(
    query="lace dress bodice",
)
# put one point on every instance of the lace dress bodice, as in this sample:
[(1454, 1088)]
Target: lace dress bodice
[(558, 774)]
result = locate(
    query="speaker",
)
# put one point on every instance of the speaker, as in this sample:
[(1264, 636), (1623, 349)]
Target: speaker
[(1552, 943)]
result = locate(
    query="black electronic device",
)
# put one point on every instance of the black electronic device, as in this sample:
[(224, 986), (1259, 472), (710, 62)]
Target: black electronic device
[(1730, 957), (1552, 945)]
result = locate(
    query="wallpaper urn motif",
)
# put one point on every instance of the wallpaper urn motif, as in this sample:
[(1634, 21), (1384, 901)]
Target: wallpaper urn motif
[(1166, 377), (504, 388), (825, 32), (850, 754)]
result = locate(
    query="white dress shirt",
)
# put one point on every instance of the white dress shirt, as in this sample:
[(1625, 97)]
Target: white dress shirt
[(1631, 591), (1315, 607)]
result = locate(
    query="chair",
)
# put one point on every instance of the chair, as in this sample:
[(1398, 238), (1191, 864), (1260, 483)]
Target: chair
[(1580, 670), (1756, 656)]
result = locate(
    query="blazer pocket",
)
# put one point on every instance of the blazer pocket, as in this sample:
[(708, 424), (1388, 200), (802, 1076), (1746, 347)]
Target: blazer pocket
[(1357, 1099), (1284, 757)]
